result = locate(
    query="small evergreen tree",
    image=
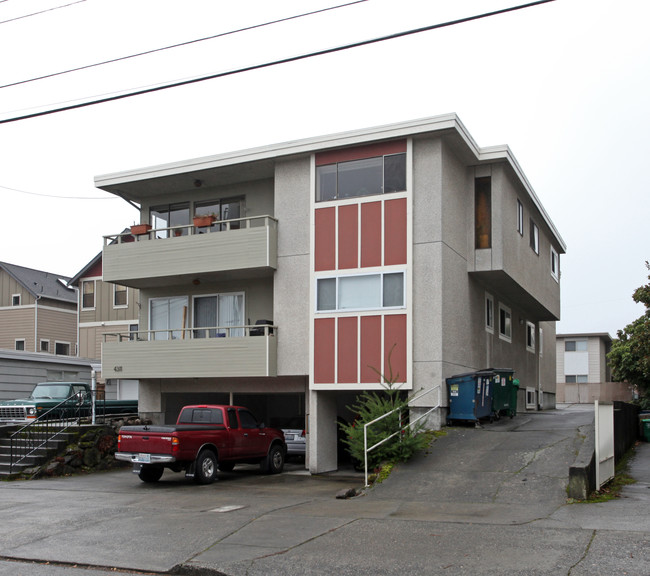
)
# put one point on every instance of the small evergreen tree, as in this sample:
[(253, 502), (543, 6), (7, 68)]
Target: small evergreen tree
[(373, 404)]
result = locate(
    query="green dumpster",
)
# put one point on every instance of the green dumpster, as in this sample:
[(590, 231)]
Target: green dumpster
[(646, 429), (504, 392)]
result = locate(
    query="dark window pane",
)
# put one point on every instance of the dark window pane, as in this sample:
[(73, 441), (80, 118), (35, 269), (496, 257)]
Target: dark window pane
[(483, 213), (326, 296), (395, 173), (393, 289), (360, 177), (325, 183), (247, 419)]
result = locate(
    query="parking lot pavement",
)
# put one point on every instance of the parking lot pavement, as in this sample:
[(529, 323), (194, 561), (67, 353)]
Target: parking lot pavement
[(481, 500)]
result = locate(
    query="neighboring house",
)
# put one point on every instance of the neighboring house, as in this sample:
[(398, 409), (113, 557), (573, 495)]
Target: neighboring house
[(38, 311), (583, 373), (407, 240), (104, 308)]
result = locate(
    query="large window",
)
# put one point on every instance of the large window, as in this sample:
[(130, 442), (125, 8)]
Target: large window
[(166, 317), (163, 217), (483, 212), (88, 294), (226, 209), (360, 292), (220, 315), (364, 177), (505, 323)]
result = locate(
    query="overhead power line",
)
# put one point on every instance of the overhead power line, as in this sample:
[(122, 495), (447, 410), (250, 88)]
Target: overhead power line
[(269, 64), (180, 44), (41, 12)]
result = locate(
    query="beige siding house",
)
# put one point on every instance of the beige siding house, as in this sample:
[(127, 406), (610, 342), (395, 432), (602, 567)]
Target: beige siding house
[(104, 308), (582, 372), (38, 311), (323, 259)]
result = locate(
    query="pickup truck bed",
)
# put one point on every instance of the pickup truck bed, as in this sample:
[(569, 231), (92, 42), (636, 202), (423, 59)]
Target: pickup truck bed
[(205, 438)]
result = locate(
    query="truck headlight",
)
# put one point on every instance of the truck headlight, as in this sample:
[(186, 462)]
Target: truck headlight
[(31, 410)]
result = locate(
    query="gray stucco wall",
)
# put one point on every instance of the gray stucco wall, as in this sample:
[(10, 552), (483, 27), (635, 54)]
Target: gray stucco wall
[(291, 283)]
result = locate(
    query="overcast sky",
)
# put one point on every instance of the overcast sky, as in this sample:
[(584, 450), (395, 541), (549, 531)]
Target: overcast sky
[(565, 84)]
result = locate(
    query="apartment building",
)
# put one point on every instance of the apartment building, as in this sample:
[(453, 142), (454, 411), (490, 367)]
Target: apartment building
[(38, 311), (318, 260), (583, 372), (104, 308)]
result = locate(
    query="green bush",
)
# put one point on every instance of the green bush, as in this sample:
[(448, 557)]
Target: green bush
[(372, 405)]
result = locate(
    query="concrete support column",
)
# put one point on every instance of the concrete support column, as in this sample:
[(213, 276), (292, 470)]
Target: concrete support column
[(322, 436)]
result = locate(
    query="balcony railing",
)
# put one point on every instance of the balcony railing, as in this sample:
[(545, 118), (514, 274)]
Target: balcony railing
[(177, 254), (205, 352)]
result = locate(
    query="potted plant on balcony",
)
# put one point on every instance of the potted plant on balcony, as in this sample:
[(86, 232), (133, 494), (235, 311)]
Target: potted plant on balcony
[(202, 220), (139, 229)]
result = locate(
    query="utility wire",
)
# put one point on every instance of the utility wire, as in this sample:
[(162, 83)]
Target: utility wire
[(41, 12), (274, 62), (57, 196), (154, 50)]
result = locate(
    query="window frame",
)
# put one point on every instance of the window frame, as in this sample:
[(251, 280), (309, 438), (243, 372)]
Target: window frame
[(83, 294), (575, 342), (47, 345), (489, 312), (15, 303), (62, 343), (530, 336), (18, 341), (336, 173), (520, 217), (534, 237), (503, 334), (381, 306), (126, 296), (555, 264)]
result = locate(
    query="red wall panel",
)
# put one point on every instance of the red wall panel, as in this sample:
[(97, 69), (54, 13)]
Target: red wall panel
[(395, 340), (348, 236), (395, 232), (325, 239), (370, 349), (347, 350), (370, 234), (324, 350)]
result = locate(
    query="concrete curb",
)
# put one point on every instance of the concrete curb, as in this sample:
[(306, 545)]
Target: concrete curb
[(582, 474)]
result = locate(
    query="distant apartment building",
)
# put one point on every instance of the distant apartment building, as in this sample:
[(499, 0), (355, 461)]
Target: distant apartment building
[(583, 373), (317, 261), (38, 311), (104, 308)]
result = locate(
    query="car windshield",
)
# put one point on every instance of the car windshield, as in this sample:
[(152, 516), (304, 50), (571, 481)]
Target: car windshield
[(51, 391)]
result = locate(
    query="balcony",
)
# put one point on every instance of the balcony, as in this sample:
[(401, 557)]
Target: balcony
[(217, 352), (239, 248)]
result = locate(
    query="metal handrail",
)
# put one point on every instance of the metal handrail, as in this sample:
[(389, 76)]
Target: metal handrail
[(190, 229), (401, 429), (193, 333), (39, 433)]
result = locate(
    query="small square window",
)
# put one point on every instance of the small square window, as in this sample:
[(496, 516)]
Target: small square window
[(20, 344), (45, 345), (15, 300)]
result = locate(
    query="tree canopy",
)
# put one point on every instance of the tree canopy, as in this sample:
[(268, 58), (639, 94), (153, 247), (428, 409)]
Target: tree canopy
[(629, 357)]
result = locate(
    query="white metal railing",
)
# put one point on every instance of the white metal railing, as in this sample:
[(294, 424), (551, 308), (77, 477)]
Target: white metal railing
[(401, 429), (171, 232), (248, 330)]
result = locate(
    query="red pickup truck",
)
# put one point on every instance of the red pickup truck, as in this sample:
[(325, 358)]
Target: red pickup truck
[(205, 437)]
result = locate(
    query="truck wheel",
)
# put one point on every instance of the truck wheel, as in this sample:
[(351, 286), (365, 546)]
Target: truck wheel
[(274, 461), (206, 468), (151, 473)]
